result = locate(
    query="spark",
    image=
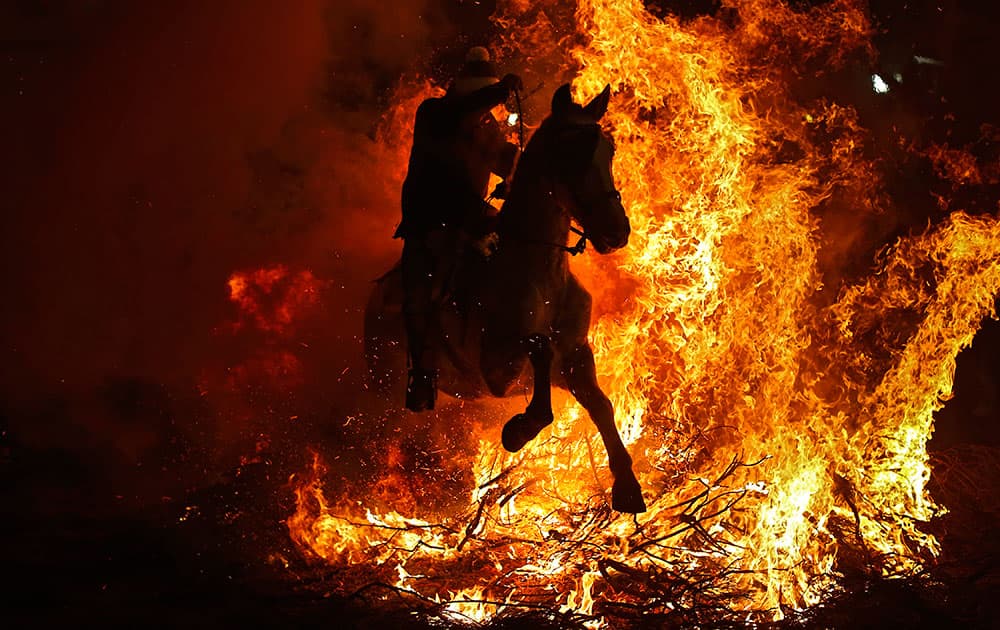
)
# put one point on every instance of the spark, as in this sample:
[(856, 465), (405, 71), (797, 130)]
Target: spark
[(879, 85)]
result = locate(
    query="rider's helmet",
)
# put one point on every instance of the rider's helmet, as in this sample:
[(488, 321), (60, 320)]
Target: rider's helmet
[(478, 72)]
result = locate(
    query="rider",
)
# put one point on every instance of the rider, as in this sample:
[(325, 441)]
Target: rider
[(457, 143)]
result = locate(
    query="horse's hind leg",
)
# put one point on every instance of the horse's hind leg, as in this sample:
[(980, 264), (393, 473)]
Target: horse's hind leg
[(581, 378), (523, 427)]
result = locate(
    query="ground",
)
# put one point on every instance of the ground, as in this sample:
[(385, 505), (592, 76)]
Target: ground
[(79, 556)]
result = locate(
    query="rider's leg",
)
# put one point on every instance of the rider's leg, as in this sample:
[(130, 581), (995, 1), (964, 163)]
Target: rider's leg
[(419, 268)]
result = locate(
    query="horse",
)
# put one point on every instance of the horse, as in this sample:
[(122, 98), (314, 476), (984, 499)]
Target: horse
[(523, 306)]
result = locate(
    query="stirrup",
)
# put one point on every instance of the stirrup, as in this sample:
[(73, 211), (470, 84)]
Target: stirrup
[(421, 389)]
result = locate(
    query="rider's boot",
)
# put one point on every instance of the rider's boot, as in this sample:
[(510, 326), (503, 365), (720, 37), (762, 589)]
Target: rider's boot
[(421, 389), (421, 381)]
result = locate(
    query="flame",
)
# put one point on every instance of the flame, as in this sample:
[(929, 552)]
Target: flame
[(272, 298), (272, 304), (779, 427)]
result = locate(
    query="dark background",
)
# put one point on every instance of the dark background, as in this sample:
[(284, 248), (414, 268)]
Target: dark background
[(152, 149)]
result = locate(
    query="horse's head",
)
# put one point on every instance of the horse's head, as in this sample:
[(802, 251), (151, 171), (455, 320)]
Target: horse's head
[(581, 157)]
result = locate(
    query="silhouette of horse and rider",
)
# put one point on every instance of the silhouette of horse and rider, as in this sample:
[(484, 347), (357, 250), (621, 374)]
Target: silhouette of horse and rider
[(471, 323)]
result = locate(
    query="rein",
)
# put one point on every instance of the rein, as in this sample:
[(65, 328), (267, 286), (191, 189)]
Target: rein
[(579, 248), (520, 120), (581, 244), (500, 191)]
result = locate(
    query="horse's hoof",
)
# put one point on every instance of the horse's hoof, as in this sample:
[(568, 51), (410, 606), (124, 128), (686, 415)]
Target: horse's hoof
[(520, 430), (626, 496)]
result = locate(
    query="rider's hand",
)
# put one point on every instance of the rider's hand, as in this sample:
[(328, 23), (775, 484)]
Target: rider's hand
[(512, 82)]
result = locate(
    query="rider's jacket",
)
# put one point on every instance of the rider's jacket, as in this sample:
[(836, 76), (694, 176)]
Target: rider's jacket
[(457, 143)]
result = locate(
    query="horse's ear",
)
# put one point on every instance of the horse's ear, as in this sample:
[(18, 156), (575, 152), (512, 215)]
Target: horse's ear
[(597, 107), (562, 101)]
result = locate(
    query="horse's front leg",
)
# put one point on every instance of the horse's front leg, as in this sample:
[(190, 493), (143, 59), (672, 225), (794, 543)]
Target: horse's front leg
[(581, 378), (523, 427)]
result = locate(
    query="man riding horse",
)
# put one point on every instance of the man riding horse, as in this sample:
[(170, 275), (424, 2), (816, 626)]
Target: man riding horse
[(526, 315), (457, 143)]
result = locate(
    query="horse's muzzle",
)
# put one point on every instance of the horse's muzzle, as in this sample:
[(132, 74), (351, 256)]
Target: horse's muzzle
[(613, 239)]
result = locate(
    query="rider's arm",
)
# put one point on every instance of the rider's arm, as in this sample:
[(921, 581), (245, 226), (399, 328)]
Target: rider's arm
[(482, 100), (486, 98)]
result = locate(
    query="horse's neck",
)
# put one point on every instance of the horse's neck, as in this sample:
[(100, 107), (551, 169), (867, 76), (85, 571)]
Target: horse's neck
[(532, 220)]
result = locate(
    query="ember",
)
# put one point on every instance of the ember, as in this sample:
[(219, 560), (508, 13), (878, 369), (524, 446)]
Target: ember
[(779, 425)]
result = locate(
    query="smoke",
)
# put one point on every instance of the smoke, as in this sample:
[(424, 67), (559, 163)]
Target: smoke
[(161, 148)]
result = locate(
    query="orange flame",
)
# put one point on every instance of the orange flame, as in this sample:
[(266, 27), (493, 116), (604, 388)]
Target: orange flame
[(271, 299), (271, 305), (779, 427)]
